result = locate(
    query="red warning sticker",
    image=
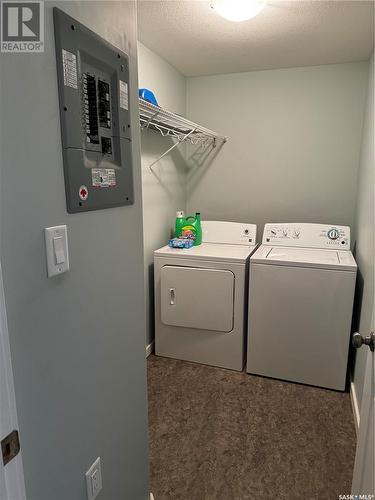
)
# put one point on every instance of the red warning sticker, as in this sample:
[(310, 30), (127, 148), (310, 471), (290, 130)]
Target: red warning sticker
[(83, 193)]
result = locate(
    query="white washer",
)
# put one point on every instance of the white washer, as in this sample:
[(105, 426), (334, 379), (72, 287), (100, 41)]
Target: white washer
[(302, 281), (201, 296)]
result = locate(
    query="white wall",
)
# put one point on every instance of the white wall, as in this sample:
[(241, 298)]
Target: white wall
[(293, 149), (364, 233), (164, 188), (77, 340)]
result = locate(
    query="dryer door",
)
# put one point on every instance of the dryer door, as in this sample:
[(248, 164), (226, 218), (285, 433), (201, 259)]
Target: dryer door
[(197, 298)]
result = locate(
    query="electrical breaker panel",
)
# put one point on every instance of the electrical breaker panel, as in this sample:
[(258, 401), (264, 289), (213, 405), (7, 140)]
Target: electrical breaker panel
[(93, 83)]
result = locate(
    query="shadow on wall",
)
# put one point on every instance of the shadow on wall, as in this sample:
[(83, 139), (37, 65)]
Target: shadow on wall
[(198, 162), (153, 146), (189, 162)]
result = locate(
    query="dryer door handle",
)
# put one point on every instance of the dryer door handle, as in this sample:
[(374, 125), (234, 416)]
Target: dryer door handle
[(172, 296)]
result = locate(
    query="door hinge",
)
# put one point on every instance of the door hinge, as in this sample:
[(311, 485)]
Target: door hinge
[(10, 446)]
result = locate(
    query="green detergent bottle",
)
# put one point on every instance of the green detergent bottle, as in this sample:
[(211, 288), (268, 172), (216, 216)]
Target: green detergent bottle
[(180, 223), (198, 228), (189, 226)]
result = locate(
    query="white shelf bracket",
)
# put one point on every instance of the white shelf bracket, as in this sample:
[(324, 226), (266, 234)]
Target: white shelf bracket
[(181, 139), (170, 124), (147, 123)]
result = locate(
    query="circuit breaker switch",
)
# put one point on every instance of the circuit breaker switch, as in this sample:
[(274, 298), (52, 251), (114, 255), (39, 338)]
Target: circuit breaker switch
[(106, 145)]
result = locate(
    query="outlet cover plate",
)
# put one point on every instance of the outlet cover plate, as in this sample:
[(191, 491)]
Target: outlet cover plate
[(94, 480)]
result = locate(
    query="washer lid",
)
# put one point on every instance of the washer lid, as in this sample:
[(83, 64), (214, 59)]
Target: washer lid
[(209, 251), (305, 257)]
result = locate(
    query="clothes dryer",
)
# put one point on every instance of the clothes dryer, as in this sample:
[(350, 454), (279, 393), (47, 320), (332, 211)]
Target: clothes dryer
[(201, 296)]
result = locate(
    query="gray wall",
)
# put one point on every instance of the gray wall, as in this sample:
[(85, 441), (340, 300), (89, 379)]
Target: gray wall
[(364, 234), (293, 149), (77, 340), (164, 188)]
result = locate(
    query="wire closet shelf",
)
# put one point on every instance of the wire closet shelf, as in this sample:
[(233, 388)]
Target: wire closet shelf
[(172, 125)]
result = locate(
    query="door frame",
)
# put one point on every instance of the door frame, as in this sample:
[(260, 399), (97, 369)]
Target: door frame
[(364, 422), (12, 486)]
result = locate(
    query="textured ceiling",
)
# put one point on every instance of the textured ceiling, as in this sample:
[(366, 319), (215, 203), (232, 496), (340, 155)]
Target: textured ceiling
[(196, 41)]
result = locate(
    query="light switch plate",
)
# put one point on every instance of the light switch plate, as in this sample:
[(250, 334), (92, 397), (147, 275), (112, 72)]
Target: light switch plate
[(56, 250), (94, 480)]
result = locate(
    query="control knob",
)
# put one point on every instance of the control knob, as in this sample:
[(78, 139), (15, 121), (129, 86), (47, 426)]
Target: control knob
[(333, 234)]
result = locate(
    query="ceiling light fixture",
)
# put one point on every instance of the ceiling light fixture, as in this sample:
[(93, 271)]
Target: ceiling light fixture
[(238, 10)]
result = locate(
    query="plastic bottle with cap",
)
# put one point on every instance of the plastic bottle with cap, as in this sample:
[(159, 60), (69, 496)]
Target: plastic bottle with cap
[(180, 222), (189, 227)]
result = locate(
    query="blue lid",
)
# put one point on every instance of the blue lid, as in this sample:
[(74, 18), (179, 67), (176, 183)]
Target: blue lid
[(148, 96)]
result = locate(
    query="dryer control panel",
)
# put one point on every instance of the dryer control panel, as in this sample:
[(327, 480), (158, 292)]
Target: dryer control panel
[(231, 233), (307, 235)]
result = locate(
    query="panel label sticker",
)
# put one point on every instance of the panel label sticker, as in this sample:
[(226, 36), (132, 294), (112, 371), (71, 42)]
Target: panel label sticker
[(103, 177), (70, 69), (124, 97)]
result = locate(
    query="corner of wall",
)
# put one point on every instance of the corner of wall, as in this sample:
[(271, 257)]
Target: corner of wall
[(364, 236), (164, 188)]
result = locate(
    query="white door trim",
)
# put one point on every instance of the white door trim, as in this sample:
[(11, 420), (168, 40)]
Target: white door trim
[(355, 406), (149, 349), (364, 446), (12, 485)]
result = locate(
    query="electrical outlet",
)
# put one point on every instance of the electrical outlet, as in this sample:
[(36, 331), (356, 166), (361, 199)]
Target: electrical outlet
[(94, 480)]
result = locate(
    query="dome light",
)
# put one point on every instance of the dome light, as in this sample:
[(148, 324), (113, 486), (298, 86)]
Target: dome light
[(238, 10)]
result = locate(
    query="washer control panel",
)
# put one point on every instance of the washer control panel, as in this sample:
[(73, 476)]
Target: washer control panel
[(307, 235)]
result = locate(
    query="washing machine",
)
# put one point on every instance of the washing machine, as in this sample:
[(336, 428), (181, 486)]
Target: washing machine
[(201, 296), (301, 291)]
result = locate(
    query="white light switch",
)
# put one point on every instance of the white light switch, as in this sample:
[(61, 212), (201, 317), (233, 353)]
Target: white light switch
[(56, 250), (94, 480)]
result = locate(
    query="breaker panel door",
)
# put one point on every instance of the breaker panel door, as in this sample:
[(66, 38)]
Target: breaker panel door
[(93, 82)]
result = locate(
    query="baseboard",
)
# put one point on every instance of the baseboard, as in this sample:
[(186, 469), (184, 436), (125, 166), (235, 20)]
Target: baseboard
[(354, 400), (149, 349)]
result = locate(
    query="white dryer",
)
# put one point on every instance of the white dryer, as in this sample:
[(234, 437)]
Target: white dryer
[(201, 296), (302, 281)]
